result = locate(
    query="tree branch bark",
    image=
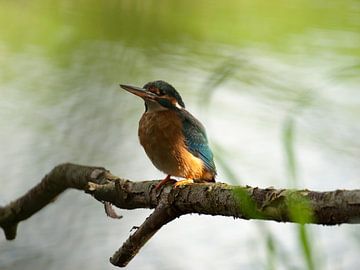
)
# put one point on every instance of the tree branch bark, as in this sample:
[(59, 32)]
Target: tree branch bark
[(283, 205)]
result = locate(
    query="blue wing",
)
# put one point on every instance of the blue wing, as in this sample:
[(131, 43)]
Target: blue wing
[(196, 140)]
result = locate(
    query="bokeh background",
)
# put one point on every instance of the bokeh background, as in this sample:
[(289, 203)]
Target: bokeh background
[(276, 83)]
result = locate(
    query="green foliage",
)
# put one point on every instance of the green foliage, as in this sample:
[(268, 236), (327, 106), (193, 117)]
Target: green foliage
[(60, 26), (246, 203), (271, 252), (306, 246), (288, 141), (299, 208)]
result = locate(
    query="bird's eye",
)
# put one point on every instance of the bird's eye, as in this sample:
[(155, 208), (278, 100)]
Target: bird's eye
[(156, 91)]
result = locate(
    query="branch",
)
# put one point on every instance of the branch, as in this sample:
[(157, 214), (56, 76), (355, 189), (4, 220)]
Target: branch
[(161, 215), (300, 206)]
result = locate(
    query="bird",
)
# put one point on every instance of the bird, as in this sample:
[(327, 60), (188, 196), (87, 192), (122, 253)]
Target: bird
[(173, 139)]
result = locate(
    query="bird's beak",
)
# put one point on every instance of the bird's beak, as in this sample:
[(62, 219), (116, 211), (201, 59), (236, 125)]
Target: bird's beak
[(140, 92)]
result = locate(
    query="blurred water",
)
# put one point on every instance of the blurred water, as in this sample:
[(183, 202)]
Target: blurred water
[(70, 108)]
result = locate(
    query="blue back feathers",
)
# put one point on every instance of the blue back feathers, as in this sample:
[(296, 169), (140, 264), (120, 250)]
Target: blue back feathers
[(196, 140)]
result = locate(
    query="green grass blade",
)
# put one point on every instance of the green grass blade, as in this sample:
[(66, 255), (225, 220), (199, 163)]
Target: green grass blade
[(290, 157)]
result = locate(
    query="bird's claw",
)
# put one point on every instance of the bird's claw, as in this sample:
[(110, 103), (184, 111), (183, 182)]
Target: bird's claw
[(184, 182), (163, 182)]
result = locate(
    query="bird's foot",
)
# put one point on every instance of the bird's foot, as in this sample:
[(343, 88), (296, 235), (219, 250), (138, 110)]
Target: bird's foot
[(163, 182), (183, 182)]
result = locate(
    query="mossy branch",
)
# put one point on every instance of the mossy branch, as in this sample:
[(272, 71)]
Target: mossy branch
[(283, 205)]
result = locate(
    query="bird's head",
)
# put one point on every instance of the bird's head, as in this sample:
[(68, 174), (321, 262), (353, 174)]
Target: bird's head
[(158, 96)]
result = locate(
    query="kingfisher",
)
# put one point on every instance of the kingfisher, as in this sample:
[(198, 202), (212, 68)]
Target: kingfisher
[(173, 139)]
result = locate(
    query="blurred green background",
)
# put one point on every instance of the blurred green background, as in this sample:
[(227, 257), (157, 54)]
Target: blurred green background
[(276, 83)]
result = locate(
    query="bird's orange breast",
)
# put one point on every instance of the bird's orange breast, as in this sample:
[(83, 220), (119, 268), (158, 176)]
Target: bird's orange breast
[(160, 134)]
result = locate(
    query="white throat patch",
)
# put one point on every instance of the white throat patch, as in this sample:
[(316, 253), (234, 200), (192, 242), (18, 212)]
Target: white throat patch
[(177, 105)]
